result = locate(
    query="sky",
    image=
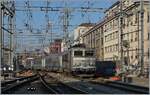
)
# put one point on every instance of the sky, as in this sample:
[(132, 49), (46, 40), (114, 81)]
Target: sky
[(30, 39)]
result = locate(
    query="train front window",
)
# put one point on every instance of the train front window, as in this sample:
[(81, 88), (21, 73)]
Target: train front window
[(89, 53), (78, 53)]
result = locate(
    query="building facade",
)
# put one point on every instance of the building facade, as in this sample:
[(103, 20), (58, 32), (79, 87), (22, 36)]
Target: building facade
[(131, 32), (106, 36), (80, 30), (94, 39), (55, 47)]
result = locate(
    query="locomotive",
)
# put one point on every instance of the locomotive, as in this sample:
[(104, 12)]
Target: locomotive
[(79, 60)]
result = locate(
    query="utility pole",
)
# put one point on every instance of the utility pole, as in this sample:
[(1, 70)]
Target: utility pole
[(11, 41), (1, 33), (142, 36), (65, 26), (48, 24), (1, 16), (121, 36)]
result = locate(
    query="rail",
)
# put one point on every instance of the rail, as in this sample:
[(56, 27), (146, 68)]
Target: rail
[(45, 84), (18, 82), (125, 86), (130, 87), (76, 89), (8, 82), (65, 85)]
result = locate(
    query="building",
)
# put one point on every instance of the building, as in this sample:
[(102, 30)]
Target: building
[(55, 47), (131, 31), (94, 39), (106, 35), (80, 30)]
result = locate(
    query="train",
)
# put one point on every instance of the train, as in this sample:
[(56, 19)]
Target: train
[(105, 68), (76, 60), (79, 60), (52, 62)]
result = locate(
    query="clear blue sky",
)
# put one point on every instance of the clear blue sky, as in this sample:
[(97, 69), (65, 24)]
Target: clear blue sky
[(38, 21)]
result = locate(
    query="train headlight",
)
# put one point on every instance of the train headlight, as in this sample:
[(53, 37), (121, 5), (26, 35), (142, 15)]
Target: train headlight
[(9, 68), (4, 68)]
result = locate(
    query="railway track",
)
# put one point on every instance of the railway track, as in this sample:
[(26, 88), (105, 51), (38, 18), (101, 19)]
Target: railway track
[(10, 86), (59, 87), (27, 85), (47, 84), (124, 86), (107, 87), (37, 85)]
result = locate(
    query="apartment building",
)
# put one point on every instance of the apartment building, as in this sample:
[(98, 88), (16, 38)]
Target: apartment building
[(94, 39), (131, 33), (55, 47), (105, 36), (80, 30)]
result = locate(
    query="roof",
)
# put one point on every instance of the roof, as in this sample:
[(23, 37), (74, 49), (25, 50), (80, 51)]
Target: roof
[(87, 24), (116, 3), (78, 45)]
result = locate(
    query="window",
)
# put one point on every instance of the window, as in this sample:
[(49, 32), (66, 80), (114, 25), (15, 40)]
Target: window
[(136, 50), (108, 49), (148, 18), (136, 57), (111, 49), (116, 34), (148, 53), (136, 17), (116, 47), (113, 35), (136, 39), (105, 49), (78, 53), (110, 37), (105, 38), (105, 28), (131, 57), (89, 53), (148, 35), (131, 18), (131, 37), (113, 24)]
